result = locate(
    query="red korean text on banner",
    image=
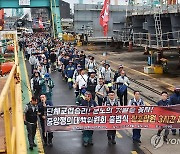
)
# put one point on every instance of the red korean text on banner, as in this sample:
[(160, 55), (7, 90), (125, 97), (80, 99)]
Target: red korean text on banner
[(104, 16), (40, 23), (67, 118)]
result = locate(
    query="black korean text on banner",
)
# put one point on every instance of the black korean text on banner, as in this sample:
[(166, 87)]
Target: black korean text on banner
[(60, 118)]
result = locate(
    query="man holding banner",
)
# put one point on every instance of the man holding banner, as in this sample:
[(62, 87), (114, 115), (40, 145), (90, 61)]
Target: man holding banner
[(87, 134), (111, 101), (136, 101)]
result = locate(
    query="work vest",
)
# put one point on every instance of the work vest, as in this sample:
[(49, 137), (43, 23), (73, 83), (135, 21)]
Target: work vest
[(107, 103), (31, 116), (132, 102)]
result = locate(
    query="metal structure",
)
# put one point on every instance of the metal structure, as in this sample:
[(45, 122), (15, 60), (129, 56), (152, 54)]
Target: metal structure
[(17, 12), (11, 107), (52, 4), (86, 20), (156, 26)]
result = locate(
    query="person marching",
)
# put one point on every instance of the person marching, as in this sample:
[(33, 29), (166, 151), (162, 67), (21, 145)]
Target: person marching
[(87, 134), (76, 73), (80, 97), (111, 101), (36, 84), (107, 75), (163, 102), (122, 84), (101, 91), (30, 120), (117, 74), (136, 101), (175, 100), (91, 84), (81, 80), (91, 65), (47, 137), (47, 86), (69, 71)]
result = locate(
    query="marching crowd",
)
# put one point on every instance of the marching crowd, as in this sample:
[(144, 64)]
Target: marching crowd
[(93, 85)]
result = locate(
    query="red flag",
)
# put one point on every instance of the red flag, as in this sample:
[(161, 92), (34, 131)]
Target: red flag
[(40, 23), (104, 16)]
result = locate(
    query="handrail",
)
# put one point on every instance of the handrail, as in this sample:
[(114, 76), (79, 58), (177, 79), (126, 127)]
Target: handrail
[(11, 107), (170, 39)]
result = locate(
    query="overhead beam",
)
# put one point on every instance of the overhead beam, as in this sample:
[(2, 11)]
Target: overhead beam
[(33, 3)]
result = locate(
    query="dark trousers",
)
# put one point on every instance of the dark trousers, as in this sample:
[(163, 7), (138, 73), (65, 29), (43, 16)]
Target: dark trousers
[(174, 131), (123, 103), (93, 94), (111, 134), (166, 133), (136, 134), (87, 136), (32, 69), (100, 101), (28, 55), (31, 129), (47, 137)]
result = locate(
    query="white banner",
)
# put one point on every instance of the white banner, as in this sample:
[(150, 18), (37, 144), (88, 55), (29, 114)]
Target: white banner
[(24, 2)]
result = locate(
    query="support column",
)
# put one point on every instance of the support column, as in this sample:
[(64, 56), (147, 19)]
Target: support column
[(57, 21)]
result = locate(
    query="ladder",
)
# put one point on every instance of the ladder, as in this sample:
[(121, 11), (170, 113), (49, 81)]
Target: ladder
[(158, 29)]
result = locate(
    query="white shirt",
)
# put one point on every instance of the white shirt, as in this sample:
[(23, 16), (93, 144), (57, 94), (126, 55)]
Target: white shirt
[(82, 80), (122, 80)]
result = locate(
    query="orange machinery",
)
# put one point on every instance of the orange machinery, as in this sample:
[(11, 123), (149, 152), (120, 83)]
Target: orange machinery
[(1, 19)]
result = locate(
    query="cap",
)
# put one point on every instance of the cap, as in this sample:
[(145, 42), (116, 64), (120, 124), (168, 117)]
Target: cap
[(83, 91), (46, 75), (93, 72), (79, 68), (87, 93), (120, 66)]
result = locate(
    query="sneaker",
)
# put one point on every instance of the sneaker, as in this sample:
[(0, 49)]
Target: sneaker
[(50, 144), (165, 138), (136, 141), (31, 148), (85, 144), (113, 141), (109, 142), (34, 145), (91, 143)]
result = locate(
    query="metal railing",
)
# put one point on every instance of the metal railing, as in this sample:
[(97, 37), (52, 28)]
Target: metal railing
[(12, 110), (169, 40)]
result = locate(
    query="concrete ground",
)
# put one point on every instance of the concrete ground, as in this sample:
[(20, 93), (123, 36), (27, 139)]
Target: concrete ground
[(137, 60)]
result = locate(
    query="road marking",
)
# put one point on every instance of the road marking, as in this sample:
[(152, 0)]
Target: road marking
[(118, 135), (146, 103), (134, 152)]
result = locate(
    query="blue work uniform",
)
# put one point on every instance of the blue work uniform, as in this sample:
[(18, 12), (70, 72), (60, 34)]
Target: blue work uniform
[(136, 132), (87, 134)]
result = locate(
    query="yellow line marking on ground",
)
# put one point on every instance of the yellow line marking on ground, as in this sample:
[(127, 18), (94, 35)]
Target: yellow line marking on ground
[(146, 103), (134, 152), (38, 135), (118, 135)]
